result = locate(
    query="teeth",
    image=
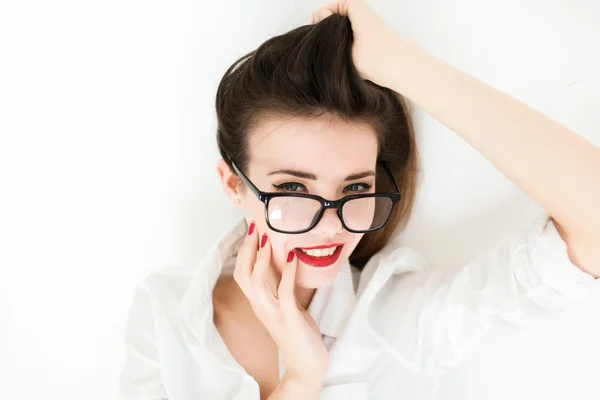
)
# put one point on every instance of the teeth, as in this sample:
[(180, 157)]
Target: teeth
[(320, 252)]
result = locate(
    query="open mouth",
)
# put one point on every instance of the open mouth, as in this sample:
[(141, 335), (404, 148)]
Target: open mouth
[(323, 257)]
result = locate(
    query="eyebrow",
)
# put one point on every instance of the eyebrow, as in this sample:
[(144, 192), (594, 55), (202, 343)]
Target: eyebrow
[(308, 175)]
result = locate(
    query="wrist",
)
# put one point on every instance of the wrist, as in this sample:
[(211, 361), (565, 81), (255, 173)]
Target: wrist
[(292, 387)]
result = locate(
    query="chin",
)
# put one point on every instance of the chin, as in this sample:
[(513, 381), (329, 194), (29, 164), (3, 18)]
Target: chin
[(310, 277)]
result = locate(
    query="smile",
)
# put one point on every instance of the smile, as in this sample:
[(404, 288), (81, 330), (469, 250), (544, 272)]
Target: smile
[(320, 252), (319, 256)]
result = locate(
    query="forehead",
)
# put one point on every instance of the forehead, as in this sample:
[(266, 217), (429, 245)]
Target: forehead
[(329, 148)]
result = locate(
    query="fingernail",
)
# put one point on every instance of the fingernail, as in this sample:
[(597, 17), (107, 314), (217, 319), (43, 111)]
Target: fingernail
[(290, 256), (263, 241), (251, 229)]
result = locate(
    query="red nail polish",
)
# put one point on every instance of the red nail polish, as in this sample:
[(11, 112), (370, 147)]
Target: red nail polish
[(251, 229), (290, 256), (263, 241)]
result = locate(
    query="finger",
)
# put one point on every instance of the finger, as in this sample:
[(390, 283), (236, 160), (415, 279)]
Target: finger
[(273, 279), (260, 285), (287, 299), (310, 320), (334, 7), (245, 260), (320, 14)]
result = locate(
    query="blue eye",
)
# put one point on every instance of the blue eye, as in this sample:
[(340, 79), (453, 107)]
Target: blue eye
[(358, 187), (290, 186), (296, 187)]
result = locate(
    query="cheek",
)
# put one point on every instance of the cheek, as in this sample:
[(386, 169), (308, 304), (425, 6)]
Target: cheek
[(279, 251), (254, 211), (349, 248), (277, 240)]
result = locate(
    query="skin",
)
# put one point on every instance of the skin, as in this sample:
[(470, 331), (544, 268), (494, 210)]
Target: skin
[(302, 145), (546, 160)]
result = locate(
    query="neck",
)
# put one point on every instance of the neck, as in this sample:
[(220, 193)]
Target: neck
[(304, 296)]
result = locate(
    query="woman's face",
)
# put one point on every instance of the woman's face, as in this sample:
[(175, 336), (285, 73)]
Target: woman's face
[(325, 152)]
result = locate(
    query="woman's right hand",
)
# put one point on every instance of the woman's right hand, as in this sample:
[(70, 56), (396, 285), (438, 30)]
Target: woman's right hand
[(274, 303)]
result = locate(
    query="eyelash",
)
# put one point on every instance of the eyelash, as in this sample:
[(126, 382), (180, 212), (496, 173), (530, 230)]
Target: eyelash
[(284, 186)]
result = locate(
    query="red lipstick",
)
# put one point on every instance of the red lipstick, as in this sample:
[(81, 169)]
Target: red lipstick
[(319, 262)]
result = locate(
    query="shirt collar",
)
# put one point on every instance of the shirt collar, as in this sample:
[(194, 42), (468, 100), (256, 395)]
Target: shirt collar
[(330, 307)]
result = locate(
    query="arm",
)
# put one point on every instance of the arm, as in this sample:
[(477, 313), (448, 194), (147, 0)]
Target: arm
[(291, 327), (290, 388), (141, 378), (557, 168), (439, 315)]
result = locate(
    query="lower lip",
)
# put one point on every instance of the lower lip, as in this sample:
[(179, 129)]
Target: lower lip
[(319, 262)]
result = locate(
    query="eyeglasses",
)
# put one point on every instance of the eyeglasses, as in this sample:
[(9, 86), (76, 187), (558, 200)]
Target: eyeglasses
[(295, 213)]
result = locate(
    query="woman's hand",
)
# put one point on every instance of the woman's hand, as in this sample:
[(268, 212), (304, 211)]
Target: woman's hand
[(274, 303), (375, 44)]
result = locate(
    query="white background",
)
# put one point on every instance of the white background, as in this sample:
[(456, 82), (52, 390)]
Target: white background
[(107, 170)]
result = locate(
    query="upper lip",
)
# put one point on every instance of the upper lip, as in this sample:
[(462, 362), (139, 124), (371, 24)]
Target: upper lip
[(322, 246)]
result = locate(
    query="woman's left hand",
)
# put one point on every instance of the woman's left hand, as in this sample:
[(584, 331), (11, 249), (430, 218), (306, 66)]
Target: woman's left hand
[(375, 44)]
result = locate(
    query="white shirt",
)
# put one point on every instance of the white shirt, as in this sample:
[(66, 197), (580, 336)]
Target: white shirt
[(405, 324)]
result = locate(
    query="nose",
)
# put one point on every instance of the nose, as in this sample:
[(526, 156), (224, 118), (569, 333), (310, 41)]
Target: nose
[(329, 224)]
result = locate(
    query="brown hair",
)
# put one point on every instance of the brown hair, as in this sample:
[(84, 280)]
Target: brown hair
[(308, 72)]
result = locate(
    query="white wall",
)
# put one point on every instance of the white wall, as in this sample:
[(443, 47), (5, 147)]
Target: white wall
[(107, 154)]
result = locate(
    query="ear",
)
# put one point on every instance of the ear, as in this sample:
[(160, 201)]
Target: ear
[(230, 182)]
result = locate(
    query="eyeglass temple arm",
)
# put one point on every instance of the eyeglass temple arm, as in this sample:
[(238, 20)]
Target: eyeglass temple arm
[(390, 175), (243, 177)]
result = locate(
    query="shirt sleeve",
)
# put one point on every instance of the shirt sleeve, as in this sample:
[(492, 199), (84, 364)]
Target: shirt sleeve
[(429, 320), (141, 376)]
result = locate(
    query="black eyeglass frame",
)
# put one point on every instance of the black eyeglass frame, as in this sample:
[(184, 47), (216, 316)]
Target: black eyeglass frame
[(266, 197)]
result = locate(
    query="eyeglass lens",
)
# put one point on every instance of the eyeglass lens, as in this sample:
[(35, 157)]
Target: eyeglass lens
[(294, 214)]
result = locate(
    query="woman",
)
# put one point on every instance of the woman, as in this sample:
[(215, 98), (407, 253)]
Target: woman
[(319, 154)]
